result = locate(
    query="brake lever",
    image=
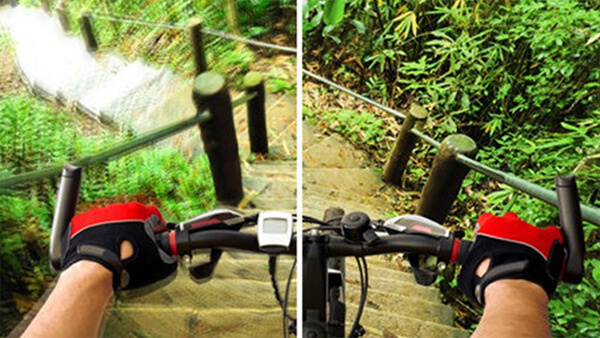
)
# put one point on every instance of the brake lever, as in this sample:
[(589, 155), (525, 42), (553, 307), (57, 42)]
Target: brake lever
[(224, 219), (416, 224)]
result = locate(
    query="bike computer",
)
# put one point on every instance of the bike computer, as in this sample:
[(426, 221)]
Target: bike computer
[(274, 229)]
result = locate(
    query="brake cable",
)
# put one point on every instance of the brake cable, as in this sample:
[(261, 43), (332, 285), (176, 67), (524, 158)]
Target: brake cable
[(357, 330), (285, 302)]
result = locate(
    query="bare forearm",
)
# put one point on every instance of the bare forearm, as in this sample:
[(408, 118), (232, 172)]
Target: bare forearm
[(514, 308), (76, 306)]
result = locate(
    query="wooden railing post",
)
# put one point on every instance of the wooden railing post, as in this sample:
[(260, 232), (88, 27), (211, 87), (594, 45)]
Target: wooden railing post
[(195, 28), (88, 33), (218, 135), (46, 6), (446, 177), (61, 13), (257, 125), (396, 165)]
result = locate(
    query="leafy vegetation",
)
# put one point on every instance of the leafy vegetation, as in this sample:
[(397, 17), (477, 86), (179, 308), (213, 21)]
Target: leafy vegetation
[(34, 135), (520, 77)]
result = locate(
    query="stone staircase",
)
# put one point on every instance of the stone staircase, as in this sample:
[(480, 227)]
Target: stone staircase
[(239, 300), (336, 175)]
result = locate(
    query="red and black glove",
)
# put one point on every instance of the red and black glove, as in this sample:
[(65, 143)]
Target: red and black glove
[(517, 250), (97, 236)]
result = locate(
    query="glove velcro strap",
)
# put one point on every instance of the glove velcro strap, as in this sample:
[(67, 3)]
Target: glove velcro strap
[(104, 257), (509, 260)]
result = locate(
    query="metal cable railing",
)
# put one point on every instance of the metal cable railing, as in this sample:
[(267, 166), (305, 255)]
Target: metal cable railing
[(588, 213), (209, 31), (356, 95)]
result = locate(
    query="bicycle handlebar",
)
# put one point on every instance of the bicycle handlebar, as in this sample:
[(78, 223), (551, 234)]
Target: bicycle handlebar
[(447, 249), (180, 243)]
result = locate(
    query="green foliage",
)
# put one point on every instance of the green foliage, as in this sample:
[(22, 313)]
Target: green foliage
[(334, 11), (362, 129), (489, 65), (33, 136)]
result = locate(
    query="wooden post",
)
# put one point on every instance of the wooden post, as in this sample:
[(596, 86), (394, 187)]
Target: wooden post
[(88, 33), (63, 18), (195, 28), (218, 135), (446, 177), (257, 125), (396, 165), (46, 6)]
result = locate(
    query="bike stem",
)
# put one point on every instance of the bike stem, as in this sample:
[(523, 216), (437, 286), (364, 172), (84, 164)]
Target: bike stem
[(314, 279)]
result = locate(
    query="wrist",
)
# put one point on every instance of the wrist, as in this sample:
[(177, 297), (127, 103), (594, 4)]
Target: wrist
[(514, 307), (89, 274), (520, 290)]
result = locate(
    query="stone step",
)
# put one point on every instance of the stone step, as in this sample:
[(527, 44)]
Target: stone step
[(253, 267), (347, 180), (388, 324), (330, 152), (126, 81), (429, 311), (270, 186), (382, 268), (342, 194), (394, 286), (180, 321), (136, 109), (86, 81), (239, 292), (268, 167), (274, 203), (219, 292), (315, 205)]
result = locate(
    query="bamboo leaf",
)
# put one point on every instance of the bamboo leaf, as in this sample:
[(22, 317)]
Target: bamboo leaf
[(334, 11)]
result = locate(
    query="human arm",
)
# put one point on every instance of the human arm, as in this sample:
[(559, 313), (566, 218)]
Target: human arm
[(76, 305)]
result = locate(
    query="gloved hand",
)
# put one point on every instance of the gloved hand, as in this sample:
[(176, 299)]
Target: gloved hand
[(517, 250), (97, 236)]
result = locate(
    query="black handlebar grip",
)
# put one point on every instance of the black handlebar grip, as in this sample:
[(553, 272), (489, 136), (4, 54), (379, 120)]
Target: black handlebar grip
[(571, 227), (66, 201)]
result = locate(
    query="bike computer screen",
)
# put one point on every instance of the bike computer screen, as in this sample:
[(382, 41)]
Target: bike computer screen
[(274, 229), (275, 226)]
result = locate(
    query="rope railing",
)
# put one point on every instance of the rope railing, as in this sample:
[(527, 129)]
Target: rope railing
[(249, 41), (135, 21), (209, 31), (457, 149), (113, 153)]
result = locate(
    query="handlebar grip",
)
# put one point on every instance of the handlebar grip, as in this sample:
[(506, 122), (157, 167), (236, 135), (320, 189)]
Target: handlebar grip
[(571, 227), (66, 202)]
